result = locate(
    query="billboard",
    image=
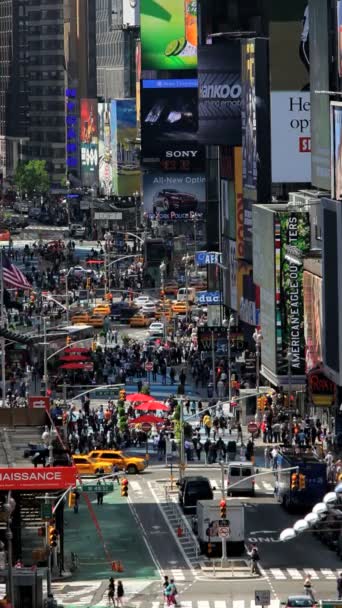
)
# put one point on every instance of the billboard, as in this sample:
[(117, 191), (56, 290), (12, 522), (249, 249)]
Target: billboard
[(125, 150), (174, 197), (131, 13), (180, 157), (291, 136), (320, 81), (232, 261), (312, 287), (339, 37), (264, 277), (247, 295), (331, 271), (219, 93), (137, 82), (240, 246), (89, 140), (168, 34), (336, 149), (292, 232), (169, 110), (105, 149), (290, 92)]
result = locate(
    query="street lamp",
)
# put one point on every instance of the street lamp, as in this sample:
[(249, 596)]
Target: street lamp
[(228, 323), (258, 337), (68, 200), (187, 261), (67, 294), (162, 269)]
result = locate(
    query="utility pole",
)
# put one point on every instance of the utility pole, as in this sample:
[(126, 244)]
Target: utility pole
[(46, 380), (224, 542), (181, 450), (257, 337), (49, 568), (162, 268)]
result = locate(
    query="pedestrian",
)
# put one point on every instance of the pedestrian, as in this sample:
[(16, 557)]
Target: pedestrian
[(239, 434), (254, 555), (77, 498), (111, 591), (267, 457), (116, 474), (173, 594), (165, 586), (308, 587), (120, 593), (339, 586), (99, 492)]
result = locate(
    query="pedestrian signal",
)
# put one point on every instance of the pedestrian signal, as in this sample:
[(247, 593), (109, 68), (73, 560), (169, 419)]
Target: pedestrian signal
[(88, 285), (294, 481), (72, 499), (52, 536), (302, 481), (210, 548), (124, 487), (122, 395), (223, 509)]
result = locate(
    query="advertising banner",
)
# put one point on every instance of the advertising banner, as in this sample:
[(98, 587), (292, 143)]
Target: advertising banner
[(319, 79), (322, 392), (312, 287), (204, 258), (39, 402), (131, 13), (339, 37), (169, 111), (168, 34), (291, 229), (291, 136), (209, 297), (137, 83), (125, 150), (105, 149), (180, 157), (217, 336), (336, 149), (89, 139), (240, 246), (247, 294), (48, 478), (175, 197), (233, 275), (219, 93)]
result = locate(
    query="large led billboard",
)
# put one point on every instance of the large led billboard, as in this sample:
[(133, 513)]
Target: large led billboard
[(219, 93), (169, 111), (168, 34), (174, 197), (336, 150), (125, 150), (312, 285), (105, 149), (89, 141)]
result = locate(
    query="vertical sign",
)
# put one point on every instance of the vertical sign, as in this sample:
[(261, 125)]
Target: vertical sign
[(71, 129), (89, 138), (240, 248)]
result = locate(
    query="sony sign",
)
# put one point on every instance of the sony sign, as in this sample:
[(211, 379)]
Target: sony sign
[(181, 153)]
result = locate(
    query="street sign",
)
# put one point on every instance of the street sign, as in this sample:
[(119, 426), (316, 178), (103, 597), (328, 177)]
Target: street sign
[(209, 297), (252, 427), (224, 532), (146, 426), (45, 511), (39, 402), (93, 487), (149, 366), (262, 598)]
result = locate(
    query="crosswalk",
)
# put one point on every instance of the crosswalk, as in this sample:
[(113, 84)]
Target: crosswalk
[(263, 486), (295, 574)]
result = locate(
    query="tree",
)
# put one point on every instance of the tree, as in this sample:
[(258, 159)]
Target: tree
[(32, 176)]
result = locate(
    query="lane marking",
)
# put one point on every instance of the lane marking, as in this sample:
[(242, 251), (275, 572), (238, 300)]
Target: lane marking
[(294, 573), (327, 573), (277, 573), (312, 573)]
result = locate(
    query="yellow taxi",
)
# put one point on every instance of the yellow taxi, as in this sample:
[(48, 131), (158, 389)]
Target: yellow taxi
[(164, 312), (96, 321), (170, 288), (86, 466), (102, 309), (179, 308), (82, 318), (139, 320), (130, 464)]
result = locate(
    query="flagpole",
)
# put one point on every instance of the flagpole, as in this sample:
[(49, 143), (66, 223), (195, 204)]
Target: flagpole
[(2, 321)]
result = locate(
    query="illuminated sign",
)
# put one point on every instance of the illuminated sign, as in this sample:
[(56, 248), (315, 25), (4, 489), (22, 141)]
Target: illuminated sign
[(71, 130), (209, 297)]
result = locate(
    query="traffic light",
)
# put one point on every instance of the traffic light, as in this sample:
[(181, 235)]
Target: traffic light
[(52, 536), (72, 500), (294, 481), (210, 548), (223, 509), (88, 284), (124, 487), (302, 481), (122, 395), (68, 340), (93, 347)]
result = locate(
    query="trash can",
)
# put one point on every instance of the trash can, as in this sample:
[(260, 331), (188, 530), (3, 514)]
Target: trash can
[(210, 390)]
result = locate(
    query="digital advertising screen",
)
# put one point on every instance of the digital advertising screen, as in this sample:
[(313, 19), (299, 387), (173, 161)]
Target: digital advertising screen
[(89, 139), (105, 149), (125, 150), (175, 197), (168, 34)]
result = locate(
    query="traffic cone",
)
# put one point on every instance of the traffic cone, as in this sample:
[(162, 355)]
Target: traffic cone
[(179, 532), (114, 566)]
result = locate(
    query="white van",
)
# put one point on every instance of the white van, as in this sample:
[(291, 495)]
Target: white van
[(241, 472), (182, 294)]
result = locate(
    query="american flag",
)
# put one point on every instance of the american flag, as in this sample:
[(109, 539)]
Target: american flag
[(12, 276)]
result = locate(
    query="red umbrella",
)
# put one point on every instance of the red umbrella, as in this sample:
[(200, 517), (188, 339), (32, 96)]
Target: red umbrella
[(135, 397), (87, 367), (74, 358), (94, 261), (153, 406), (73, 350), (147, 418)]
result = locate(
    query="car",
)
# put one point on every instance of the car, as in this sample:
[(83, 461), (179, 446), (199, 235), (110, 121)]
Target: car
[(21, 207), (102, 309), (77, 231), (179, 308), (96, 321), (34, 213), (169, 199), (123, 311), (156, 328), (81, 317), (139, 320), (170, 288), (164, 312), (149, 309), (299, 601), (86, 466), (141, 300), (191, 490), (131, 464)]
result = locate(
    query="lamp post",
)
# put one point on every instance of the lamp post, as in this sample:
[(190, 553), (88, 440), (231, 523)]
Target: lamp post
[(186, 260), (68, 200), (257, 337), (289, 387), (9, 508), (228, 323), (67, 305), (162, 269)]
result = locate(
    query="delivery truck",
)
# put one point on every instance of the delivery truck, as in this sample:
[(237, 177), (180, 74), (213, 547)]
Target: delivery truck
[(303, 486), (211, 528)]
